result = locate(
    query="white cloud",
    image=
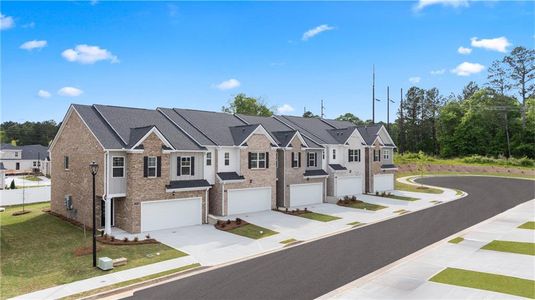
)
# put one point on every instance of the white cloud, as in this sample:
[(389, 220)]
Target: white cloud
[(30, 45), (228, 84), (438, 72), (29, 25), (69, 91), (315, 31), (464, 50), (6, 22), (467, 69), (415, 79), (499, 44), (86, 54), (44, 94), (284, 109), (453, 3)]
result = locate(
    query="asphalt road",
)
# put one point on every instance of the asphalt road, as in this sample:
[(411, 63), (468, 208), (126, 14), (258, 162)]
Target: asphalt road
[(314, 269)]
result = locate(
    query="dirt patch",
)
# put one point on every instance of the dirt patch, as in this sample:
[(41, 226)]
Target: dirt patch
[(433, 168), (84, 250)]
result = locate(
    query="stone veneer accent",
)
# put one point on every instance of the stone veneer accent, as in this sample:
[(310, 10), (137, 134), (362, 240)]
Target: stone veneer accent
[(253, 178), (141, 189), (295, 175), (78, 143)]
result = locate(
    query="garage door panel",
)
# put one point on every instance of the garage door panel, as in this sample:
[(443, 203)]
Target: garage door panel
[(383, 182), (248, 200), (349, 185), (164, 214), (306, 194)]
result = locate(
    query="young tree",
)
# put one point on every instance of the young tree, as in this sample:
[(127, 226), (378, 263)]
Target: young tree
[(309, 114), (470, 89), (521, 71), (350, 118), (497, 77), (242, 104)]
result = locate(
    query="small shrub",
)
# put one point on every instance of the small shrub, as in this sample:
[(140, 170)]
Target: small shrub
[(147, 236), (238, 221), (526, 162), (223, 225), (383, 194), (339, 202), (112, 238), (297, 210), (105, 236), (346, 197), (12, 185), (136, 239), (125, 239), (286, 209), (377, 193), (228, 221), (218, 222), (306, 209), (354, 198)]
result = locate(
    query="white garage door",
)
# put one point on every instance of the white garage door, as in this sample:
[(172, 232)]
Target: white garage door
[(306, 194), (348, 186), (163, 214), (248, 200), (383, 182)]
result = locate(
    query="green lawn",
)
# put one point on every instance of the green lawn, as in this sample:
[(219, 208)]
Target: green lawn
[(418, 189), (402, 211), (403, 198), (512, 247), (487, 281), (288, 241), (130, 282), (37, 252), (253, 231), (356, 224), (528, 225), (32, 178), (365, 205), (318, 217), (456, 240)]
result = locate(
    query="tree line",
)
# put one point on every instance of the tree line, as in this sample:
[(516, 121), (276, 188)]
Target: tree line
[(28, 133)]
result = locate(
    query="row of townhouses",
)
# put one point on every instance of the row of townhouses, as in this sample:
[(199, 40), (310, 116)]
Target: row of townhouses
[(167, 168)]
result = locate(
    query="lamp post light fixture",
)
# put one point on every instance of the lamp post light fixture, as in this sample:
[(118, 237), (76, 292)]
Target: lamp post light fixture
[(93, 167)]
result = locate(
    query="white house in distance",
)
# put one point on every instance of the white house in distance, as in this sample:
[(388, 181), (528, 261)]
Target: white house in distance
[(25, 159)]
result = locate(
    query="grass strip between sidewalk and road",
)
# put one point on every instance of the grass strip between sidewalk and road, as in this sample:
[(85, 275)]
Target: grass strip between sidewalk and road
[(456, 240), (511, 247), (417, 189), (527, 225), (403, 198), (487, 281), (318, 217), (131, 281), (252, 231)]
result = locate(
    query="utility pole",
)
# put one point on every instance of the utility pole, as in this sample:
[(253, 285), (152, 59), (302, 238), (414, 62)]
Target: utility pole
[(388, 108), (373, 95), (401, 132), (322, 109)]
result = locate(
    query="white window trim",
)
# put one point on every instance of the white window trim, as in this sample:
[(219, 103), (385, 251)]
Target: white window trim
[(226, 158), (295, 160), (208, 158), (155, 167), (118, 167), (355, 157), (183, 160), (312, 158), (375, 151), (258, 160), (386, 154)]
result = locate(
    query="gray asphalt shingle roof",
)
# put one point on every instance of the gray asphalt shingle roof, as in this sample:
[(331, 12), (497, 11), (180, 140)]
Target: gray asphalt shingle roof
[(187, 127), (31, 152), (123, 119), (215, 125), (312, 127), (99, 127)]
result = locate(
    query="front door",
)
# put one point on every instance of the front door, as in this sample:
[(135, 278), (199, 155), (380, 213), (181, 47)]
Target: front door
[(103, 213)]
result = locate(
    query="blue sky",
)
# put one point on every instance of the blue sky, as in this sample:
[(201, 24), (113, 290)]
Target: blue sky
[(292, 54)]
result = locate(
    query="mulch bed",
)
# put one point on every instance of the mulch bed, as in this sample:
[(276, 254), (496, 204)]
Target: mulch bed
[(73, 222), (122, 242), (348, 202), (230, 224), (296, 212), (20, 212)]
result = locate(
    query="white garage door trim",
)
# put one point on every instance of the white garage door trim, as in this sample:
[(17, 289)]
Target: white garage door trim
[(306, 194), (383, 182), (170, 213), (248, 200), (348, 185)]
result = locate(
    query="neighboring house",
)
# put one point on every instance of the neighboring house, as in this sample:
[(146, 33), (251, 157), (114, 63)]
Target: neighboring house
[(25, 159), (167, 167)]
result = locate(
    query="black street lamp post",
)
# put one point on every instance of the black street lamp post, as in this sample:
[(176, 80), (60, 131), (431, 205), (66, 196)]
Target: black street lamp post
[(93, 167)]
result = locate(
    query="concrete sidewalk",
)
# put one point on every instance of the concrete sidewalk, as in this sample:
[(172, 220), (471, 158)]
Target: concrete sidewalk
[(408, 278), (108, 279)]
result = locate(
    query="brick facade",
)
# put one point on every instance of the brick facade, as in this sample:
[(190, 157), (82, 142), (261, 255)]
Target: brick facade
[(79, 144), (253, 177)]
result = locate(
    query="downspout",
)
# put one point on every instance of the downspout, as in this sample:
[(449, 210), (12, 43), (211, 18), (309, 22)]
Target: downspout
[(206, 206), (107, 200)]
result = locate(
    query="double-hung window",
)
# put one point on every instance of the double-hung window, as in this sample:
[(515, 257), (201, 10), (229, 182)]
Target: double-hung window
[(258, 160), (354, 155), (296, 157), (227, 158), (334, 153), (386, 154), (312, 160), (209, 158), (185, 166), (35, 164), (376, 155), (151, 166), (118, 166), (65, 162)]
